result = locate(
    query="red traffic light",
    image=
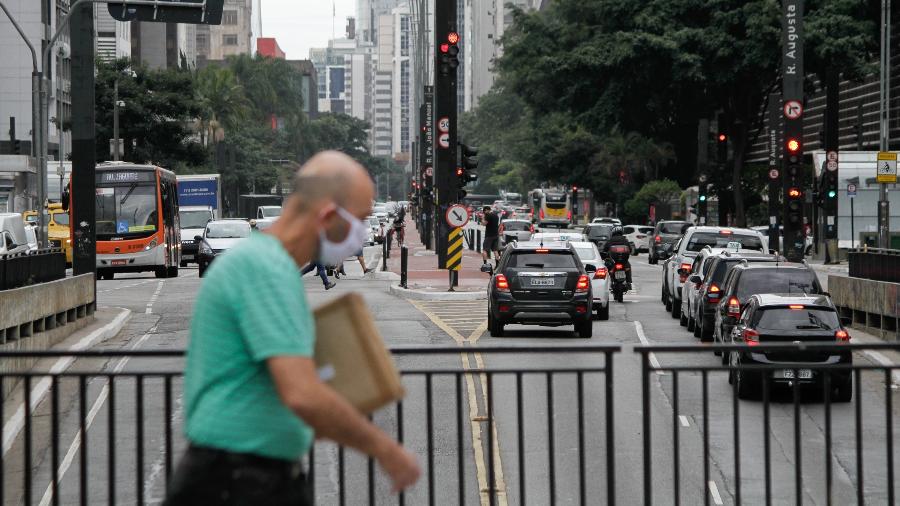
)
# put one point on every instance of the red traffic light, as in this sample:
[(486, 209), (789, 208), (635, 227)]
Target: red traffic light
[(459, 171), (794, 193), (574, 188), (723, 137), (445, 48), (453, 37), (793, 145)]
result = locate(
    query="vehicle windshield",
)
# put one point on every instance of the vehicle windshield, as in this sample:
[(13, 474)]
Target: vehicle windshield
[(516, 226), (373, 221), (555, 200), (586, 253), (796, 281), (722, 266), (194, 219), (127, 210), (31, 218), (61, 218), (551, 260), (599, 232), (271, 212), (225, 230), (671, 227), (797, 319), (701, 240)]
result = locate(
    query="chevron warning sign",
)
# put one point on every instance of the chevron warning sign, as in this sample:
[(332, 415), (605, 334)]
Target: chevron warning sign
[(454, 249)]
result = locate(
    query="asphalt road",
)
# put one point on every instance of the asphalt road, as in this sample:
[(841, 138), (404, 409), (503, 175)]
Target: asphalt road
[(539, 445)]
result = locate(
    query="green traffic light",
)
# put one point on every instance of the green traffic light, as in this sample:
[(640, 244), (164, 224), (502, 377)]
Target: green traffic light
[(702, 198), (832, 194)]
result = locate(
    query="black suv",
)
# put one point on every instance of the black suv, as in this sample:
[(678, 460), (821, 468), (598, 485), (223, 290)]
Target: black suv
[(748, 279), (665, 235), (710, 292), (599, 233), (540, 284), (778, 318)]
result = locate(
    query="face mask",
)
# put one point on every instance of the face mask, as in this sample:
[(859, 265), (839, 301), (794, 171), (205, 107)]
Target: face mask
[(333, 253)]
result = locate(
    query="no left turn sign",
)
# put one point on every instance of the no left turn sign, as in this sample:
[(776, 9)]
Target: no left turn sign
[(793, 109), (773, 174)]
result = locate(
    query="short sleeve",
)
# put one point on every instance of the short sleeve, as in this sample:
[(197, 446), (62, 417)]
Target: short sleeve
[(274, 316)]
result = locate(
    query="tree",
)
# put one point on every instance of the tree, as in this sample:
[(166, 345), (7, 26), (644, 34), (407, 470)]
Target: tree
[(222, 101), (653, 193)]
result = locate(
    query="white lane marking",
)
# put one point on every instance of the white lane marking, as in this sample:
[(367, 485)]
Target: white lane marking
[(89, 420), (685, 422), (883, 360), (714, 490), (153, 298), (643, 337), (15, 424)]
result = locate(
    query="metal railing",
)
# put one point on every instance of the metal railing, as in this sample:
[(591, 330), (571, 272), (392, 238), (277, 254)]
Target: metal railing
[(824, 448), (118, 424), (875, 263), (28, 268)]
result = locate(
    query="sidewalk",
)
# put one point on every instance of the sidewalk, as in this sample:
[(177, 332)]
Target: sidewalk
[(423, 272)]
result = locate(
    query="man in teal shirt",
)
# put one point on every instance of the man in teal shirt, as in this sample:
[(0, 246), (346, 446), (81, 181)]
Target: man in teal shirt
[(253, 399)]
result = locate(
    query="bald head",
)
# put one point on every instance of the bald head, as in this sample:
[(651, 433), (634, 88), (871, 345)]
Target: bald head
[(332, 176)]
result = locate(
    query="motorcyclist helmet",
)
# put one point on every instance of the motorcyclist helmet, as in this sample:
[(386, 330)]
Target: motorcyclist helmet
[(617, 231)]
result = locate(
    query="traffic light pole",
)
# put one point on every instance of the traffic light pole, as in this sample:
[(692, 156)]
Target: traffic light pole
[(446, 61), (792, 108), (774, 175), (884, 206), (829, 189)]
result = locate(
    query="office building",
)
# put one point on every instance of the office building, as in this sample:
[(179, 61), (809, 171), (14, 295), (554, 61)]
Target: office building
[(233, 37), (113, 37), (164, 45)]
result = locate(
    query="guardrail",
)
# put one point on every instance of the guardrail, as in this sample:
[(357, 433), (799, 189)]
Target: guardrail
[(28, 268), (875, 263), (451, 418), (823, 442)]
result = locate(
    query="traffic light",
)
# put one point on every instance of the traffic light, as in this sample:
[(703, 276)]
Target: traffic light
[(17, 147), (794, 193), (721, 148), (450, 53), (575, 198), (468, 163)]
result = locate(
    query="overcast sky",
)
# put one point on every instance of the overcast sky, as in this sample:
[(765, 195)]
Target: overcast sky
[(301, 24)]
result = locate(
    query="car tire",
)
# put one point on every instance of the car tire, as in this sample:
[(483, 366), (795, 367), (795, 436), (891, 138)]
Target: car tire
[(495, 328), (585, 329), (603, 312), (201, 269), (745, 386), (173, 272), (698, 330), (676, 308), (691, 325), (182, 264), (705, 334), (651, 259), (682, 318), (844, 392), (161, 272)]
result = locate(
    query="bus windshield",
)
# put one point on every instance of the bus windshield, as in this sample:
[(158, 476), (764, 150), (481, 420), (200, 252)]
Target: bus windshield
[(127, 210)]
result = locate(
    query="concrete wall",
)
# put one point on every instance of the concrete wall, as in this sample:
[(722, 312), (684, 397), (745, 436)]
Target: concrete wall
[(874, 306)]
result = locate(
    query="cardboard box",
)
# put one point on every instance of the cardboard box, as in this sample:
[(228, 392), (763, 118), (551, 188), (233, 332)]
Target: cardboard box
[(351, 356)]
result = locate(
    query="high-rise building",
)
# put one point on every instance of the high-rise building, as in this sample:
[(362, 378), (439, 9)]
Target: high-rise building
[(233, 37), (358, 82), (331, 68), (113, 37), (401, 83), (164, 45)]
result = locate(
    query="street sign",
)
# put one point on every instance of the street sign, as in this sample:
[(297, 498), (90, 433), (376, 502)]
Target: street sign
[(793, 109), (851, 190), (832, 156), (444, 140), (457, 216), (831, 165), (702, 178), (773, 173), (444, 124), (198, 12), (429, 172), (887, 167)]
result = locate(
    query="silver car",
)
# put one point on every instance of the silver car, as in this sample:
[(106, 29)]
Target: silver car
[(590, 255), (515, 230)]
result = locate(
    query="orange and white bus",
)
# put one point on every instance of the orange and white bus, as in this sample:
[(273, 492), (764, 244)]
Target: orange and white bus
[(137, 220)]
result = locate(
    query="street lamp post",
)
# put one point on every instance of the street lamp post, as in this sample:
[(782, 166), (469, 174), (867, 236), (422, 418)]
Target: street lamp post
[(116, 120), (884, 206)]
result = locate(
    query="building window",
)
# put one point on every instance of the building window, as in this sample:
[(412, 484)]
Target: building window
[(229, 18), (229, 40), (202, 42)]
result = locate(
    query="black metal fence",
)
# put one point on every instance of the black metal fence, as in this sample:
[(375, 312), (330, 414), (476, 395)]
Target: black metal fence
[(115, 416), (28, 268), (876, 264), (804, 438)]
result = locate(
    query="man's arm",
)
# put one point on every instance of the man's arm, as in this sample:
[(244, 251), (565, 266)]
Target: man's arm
[(332, 417)]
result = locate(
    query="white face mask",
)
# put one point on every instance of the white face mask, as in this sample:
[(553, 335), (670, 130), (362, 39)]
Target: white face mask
[(333, 253)]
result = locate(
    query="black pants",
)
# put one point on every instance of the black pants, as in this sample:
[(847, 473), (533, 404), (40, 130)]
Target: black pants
[(215, 477)]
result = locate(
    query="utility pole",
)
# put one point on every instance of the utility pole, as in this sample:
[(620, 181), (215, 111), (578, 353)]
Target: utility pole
[(884, 206), (774, 174), (702, 169), (82, 208), (792, 108), (427, 187), (446, 40), (828, 190)]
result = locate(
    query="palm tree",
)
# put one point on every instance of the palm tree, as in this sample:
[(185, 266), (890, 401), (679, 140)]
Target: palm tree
[(221, 99)]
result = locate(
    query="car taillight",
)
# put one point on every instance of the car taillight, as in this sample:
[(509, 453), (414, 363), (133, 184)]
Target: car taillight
[(583, 284), (501, 283), (569, 215), (657, 239), (750, 336), (531, 228), (501, 229), (841, 335), (542, 214), (734, 307), (712, 295), (687, 269), (686, 266), (600, 273)]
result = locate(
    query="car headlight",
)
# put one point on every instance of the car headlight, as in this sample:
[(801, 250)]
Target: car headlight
[(205, 249), (150, 246)]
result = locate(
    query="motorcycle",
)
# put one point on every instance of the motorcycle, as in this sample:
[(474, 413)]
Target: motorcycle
[(618, 267)]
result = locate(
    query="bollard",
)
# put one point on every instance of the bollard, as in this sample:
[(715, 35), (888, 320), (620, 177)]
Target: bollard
[(404, 254), (478, 241), (384, 254)]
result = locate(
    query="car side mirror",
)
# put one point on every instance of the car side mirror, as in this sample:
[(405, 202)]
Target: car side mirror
[(590, 268), (846, 321), (696, 279), (198, 238), (487, 269)]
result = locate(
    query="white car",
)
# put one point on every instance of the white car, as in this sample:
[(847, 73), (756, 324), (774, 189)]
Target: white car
[(218, 237), (612, 221), (559, 237), (515, 230), (376, 230), (639, 236), (590, 255)]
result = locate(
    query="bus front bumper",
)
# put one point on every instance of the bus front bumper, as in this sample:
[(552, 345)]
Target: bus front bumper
[(141, 261)]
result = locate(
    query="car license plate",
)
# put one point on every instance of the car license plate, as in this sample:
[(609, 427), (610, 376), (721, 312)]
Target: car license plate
[(801, 374), (117, 262), (542, 282), (620, 274)]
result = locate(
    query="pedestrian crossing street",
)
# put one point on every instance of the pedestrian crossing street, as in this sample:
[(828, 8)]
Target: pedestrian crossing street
[(464, 321)]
